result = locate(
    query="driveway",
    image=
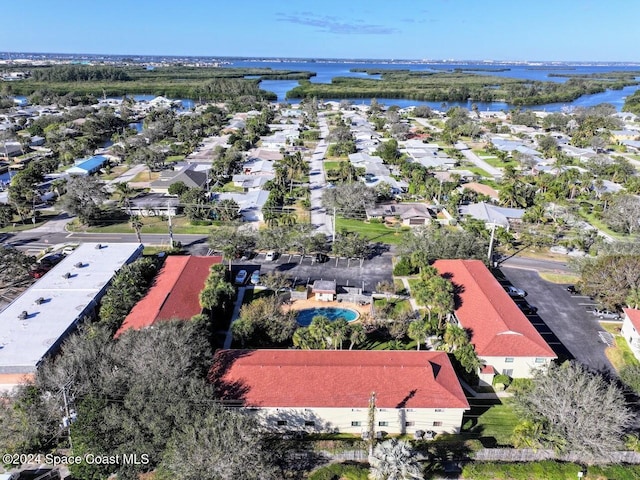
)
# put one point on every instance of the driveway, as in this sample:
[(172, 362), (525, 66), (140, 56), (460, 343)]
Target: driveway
[(344, 271), (563, 319)]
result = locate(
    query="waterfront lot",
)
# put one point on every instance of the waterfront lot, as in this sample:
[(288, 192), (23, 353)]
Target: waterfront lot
[(563, 319)]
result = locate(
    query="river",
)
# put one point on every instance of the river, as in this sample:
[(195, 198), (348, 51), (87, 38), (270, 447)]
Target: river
[(326, 71)]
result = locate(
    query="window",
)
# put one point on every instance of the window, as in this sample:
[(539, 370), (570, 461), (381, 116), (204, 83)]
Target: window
[(409, 424), (437, 424), (508, 372), (356, 423), (282, 423), (439, 410), (508, 360), (309, 423), (383, 424), (539, 360)]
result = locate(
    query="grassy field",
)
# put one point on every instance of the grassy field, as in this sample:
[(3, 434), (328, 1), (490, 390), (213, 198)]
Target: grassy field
[(332, 164), (547, 470), (619, 355), (374, 232), (342, 471), (399, 306)]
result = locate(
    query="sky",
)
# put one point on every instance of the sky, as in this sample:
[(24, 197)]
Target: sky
[(509, 30)]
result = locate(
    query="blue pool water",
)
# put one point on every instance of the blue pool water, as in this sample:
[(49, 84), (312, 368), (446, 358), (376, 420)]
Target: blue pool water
[(332, 313)]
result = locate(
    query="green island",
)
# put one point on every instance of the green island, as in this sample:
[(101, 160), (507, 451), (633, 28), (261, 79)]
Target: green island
[(462, 86), (176, 81)]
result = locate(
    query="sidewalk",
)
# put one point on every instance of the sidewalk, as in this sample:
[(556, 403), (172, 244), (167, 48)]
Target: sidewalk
[(234, 316)]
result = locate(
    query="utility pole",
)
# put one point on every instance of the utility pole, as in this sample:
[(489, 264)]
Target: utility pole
[(67, 420), (170, 226), (372, 422), (490, 252)]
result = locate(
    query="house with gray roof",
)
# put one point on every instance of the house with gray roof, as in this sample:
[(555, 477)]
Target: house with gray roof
[(492, 215), (250, 203), (190, 175), (410, 214)]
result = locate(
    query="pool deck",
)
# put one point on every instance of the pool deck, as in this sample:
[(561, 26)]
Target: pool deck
[(311, 303)]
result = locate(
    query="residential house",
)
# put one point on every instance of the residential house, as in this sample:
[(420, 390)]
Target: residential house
[(188, 174), (631, 329), (88, 166), (482, 189), (493, 215), (36, 323), (154, 204), (250, 183), (503, 337), (334, 391), (409, 214), (175, 293), (250, 203)]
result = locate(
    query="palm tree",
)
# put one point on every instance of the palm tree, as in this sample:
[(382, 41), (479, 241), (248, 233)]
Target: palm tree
[(394, 460), (417, 331), (320, 330), (339, 329), (125, 192), (136, 223), (455, 337), (357, 335)]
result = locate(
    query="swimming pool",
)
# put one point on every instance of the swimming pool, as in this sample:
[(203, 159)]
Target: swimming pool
[(305, 316)]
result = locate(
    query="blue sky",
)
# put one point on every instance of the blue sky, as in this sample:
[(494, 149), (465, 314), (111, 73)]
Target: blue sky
[(579, 30)]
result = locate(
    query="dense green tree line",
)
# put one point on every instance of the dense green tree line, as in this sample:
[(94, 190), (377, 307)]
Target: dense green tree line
[(80, 73)]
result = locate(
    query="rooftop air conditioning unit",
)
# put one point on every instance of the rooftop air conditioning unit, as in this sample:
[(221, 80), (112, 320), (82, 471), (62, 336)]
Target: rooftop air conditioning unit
[(23, 315), (98, 246), (67, 275), (40, 300), (79, 265)]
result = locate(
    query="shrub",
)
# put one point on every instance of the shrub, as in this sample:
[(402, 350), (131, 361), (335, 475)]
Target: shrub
[(403, 267), (502, 379)]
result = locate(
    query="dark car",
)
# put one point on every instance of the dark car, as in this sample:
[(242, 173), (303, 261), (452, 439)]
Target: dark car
[(38, 271), (51, 260), (528, 309), (321, 258), (573, 290)]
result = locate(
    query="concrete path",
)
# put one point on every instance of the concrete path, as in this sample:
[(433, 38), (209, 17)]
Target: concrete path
[(234, 316), (128, 175), (55, 225), (414, 305)]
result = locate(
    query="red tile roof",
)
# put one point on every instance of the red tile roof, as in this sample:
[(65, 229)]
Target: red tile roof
[(498, 327), (634, 317), (337, 379), (174, 294)]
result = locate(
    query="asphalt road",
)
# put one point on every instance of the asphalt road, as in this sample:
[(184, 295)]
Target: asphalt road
[(563, 318)]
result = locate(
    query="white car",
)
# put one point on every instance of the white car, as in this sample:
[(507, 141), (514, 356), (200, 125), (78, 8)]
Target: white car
[(255, 277), (241, 277), (515, 292), (270, 256)]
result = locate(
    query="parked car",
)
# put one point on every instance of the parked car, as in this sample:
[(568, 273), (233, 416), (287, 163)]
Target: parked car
[(247, 255), (603, 313), (573, 290), (528, 309), (52, 259), (271, 256), (514, 291), (68, 250), (321, 258), (241, 277), (255, 277), (39, 270)]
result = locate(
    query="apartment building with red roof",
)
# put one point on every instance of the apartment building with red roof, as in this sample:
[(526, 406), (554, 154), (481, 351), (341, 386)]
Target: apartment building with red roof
[(502, 335), (631, 329), (328, 390), (174, 294)]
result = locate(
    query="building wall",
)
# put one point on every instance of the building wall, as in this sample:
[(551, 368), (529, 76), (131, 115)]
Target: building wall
[(355, 420), (324, 297), (631, 335), (520, 367)]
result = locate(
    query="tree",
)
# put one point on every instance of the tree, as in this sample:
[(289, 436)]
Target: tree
[(394, 460), (136, 223), (217, 291), (579, 411), (610, 278), (14, 265), (418, 331), (350, 200), (194, 201), (357, 335), (351, 245), (221, 444), (623, 214), (262, 323), (232, 241), (177, 188), (84, 198), (227, 210)]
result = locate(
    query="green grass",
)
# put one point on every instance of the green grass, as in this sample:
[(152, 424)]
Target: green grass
[(332, 165), (399, 286), (174, 158), (28, 223), (620, 355), (546, 470), (250, 295), (399, 306), (181, 225), (596, 222), (229, 187), (559, 277), (478, 171), (374, 232), (341, 471), (491, 423)]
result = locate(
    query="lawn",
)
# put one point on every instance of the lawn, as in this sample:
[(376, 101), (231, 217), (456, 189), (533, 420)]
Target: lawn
[(180, 223), (478, 171), (489, 422), (399, 286), (332, 165), (546, 470), (398, 306), (145, 176), (620, 355), (342, 471), (559, 277), (374, 232), (19, 225)]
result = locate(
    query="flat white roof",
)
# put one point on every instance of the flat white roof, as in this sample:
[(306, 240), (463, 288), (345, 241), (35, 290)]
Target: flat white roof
[(24, 342)]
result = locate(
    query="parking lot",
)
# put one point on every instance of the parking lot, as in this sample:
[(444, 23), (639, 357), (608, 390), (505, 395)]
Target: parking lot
[(563, 319), (346, 272)]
